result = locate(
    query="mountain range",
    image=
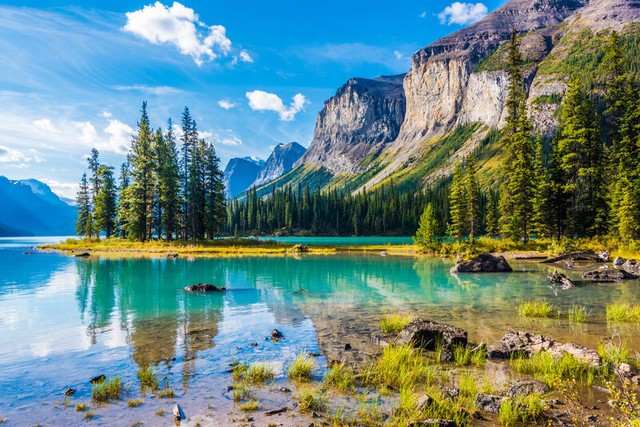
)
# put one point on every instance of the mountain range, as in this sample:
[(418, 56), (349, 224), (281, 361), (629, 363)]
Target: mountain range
[(411, 129), (242, 173), (30, 208)]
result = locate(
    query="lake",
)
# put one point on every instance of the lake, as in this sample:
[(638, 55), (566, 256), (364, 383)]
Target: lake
[(64, 320)]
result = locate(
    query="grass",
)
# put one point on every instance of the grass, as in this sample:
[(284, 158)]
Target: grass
[(393, 323), (613, 355), (107, 391), (544, 367), (241, 392), (464, 356), (259, 373), (134, 403), (250, 406), (540, 308), (137, 423), (148, 378), (340, 377), (167, 393), (399, 367), (81, 407), (622, 312), (300, 369), (312, 400), (577, 314), (521, 410), (89, 415), (238, 371), (161, 412)]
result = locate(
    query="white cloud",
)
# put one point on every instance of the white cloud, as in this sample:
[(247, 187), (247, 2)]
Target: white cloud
[(45, 125), (203, 134), (423, 15), (9, 155), (462, 13), (106, 114), (226, 104), (398, 55), (64, 189), (245, 57), (88, 133), (231, 141), (265, 101), (119, 136), (179, 26), (153, 90)]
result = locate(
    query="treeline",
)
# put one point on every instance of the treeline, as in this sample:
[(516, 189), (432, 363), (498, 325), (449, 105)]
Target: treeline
[(287, 211), (163, 191), (586, 182)]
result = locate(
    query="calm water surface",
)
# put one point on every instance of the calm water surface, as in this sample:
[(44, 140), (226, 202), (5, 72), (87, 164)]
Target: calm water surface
[(64, 320)]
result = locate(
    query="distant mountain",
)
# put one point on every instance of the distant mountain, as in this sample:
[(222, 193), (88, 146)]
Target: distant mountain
[(29, 207), (240, 173), (280, 162)]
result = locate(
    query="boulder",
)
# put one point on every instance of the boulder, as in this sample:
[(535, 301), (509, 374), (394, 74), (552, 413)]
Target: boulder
[(423, 402), (276, 335), (483, 263), (607, 275), (583, 354), (204, 287), (298, 249), (523, 343), (525, 387), (630, 266), (488, 402)]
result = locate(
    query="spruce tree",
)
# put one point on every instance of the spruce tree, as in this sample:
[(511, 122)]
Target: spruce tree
[(105, 211), (215, 205), (123, 205), (427, 233), (168, 174), (84, 222), (540, 215), (493, 228), (458, 205), (472, 202)]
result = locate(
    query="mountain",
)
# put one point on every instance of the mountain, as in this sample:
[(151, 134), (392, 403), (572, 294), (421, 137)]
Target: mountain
[(240, 173), (411, 129), (280, 161), (29, 207)]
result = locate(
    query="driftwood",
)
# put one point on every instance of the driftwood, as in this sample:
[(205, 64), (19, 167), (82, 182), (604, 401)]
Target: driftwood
[(276, 411), (560, 278), (573, 256)]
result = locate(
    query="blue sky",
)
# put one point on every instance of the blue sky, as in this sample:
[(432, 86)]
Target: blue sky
[(253, 73)]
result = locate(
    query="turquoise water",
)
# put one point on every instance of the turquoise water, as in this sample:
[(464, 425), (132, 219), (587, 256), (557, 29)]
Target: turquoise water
[(64, 320), (343, 241)]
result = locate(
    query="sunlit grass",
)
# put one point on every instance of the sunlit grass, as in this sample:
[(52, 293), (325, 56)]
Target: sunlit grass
[(400, 367), (464, 356), (81, 407), (521, 410), (259, 373), (167, 393), (540, 308), (393, 323), (106, 391), (577, 314), (133, 403), (340, 377), (301, 368), (622, 312), (250, 406), (544, 367), (148, 378), (312, 400)]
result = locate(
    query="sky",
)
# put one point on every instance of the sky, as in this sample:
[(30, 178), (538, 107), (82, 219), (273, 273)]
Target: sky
[(253, 73)]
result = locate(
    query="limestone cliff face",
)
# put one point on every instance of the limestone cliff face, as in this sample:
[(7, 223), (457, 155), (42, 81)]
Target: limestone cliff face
[(279, 162), (363, 116)]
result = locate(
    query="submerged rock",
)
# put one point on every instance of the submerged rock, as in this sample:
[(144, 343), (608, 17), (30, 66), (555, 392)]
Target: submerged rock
[(515, 343), (630, 266), (583, 354), (606, 275), (98, 379), (525, 387), (276, 335), (69, 392), (426, 334), (483, 263), (204, 287), (488, 402)]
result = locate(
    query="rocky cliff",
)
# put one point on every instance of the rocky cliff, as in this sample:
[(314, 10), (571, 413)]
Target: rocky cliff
[(279, 162), (240, 173), (363, 116)]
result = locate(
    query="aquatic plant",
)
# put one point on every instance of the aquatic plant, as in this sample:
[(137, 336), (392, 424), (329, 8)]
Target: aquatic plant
[(577, 314), (622, 312), (300, 369), (540, 308), (613, 354), (241, 392), (106, 391), (398, 367), (312, 400), (167, 393), (464, 356), (89, 415), (81, 407), (250, 406), (259, 373), (550, 370), (394, 323), (340, 377), (161, 412), (522, 409), (133, 403), (148, 378), (368, 412), (238, 371)]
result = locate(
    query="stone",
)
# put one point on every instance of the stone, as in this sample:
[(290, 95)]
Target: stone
[(630, 266), (98, 379), (382, 339), (172, 255), (427, 334), (433, 422), (284, 390), (253, 344), (276, 335), (560, 278), (483, 263), (583, 354), (276, 411), (298, 249), (347, 347), (451, 392), (524, 343), (625, 370), (203, 288), (488, 402), (497, 352), (423, 402), (83, 255), (178, 414), (525, 387), (607, 275), (69, 392)]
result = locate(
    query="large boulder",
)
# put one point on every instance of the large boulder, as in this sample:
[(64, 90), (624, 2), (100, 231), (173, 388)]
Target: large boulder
[(583, 354), (607, 275), (488, 402), (630, 266), (204, 287), (483, 263), (515, 343), (426, 334)]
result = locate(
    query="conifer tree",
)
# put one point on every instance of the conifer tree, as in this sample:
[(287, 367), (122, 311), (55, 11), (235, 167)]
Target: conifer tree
[(540, 215), (493, 228), (105, 211), (168, 182), (427, 233), (458, 205), (472, 203), (123, 204), (84, 222), (215, 207)]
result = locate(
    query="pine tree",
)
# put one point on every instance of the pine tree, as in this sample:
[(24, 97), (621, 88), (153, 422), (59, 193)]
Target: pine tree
[(105, 211), (517, 189), (168, 174), (540, 218), (215, 206), (84, 222), (472, 195), (123, 204), (427, 233), (94, 179), (458, 205), (493, 228)]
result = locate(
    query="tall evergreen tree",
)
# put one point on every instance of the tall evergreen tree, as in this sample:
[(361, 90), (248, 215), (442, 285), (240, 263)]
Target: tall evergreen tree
[(458, 205), (84, 222), (215, 208), (105, 211), (472, 203), (426, 236), (168, 174)]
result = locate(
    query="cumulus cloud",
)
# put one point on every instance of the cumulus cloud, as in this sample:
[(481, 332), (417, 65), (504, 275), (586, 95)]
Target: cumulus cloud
[(462, 13), (45, 125), (226, 104), (106, 114), (9, 155), (265, 101), (64, 189), (245, 57), (231, 141), (423, 15), (181, 27), (88, 133), (119, 136)]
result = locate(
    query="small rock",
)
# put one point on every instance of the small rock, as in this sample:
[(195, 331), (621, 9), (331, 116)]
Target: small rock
[(29, 253), (591, 418), (253, 344), (82, 255), (625, 370), (488, 402), (177, 413), (284, 390), (69, 392), (525, 387), (230, 388), (347, 347), (276, 335), (172, 255), (451, 392), (98, 379), (635, 379), (606, 275), (561, 279), (583, 354), (204, 287), (432, 422), (424, 402), (298, 249), (523, 343), (276, 411)]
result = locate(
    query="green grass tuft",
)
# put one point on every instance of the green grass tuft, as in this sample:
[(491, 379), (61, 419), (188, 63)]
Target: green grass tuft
[(148, 378), (544, 367), (540, 308), (250, 406), (399, 367), (259, 373), (393, 323), (578, 314), (81, 407), (300, 369), (89, 415), (107, 391), (521, 410), (465, 356), (623, 312), (167, 393), (340, 377), (312, 400), (134, 403)]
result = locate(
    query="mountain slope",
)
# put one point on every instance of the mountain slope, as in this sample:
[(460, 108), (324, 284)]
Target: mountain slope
[(30, 208), (279, 162), (240, 173)]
